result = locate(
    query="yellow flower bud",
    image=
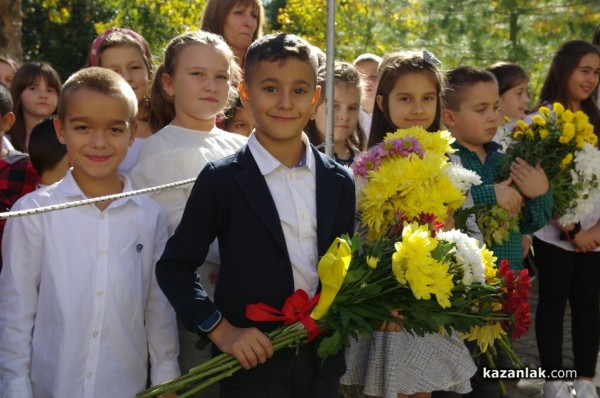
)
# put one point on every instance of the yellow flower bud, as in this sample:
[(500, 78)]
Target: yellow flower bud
[(539, 120), (372, 262), (566, 160)]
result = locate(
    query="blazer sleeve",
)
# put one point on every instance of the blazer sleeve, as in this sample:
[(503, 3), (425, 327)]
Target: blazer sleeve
[(187, 249)]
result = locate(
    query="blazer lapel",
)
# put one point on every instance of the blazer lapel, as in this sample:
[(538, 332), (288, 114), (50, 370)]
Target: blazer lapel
[(255, 189)]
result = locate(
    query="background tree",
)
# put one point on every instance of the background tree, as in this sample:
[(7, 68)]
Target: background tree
[(10, 28), (61, 31), (471, 32)]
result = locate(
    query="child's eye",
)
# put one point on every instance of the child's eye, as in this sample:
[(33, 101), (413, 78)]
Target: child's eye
[(224, 77), (299, 91), (354, 108), (80, 127), (197, 74), (254, 15), (270, 89), (240, 125), (117, 130), (32, 88)]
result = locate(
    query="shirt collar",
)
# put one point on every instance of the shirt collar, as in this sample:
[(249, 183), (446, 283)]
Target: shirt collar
[(267, 163), (69, 187), (491, 146)]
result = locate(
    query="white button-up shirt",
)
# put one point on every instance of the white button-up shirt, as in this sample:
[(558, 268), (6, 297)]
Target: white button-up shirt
[(294, 193), (80, 308)]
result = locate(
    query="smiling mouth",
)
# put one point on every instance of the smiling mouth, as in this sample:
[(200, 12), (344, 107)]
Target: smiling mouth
[(209, 99), (98, 158)]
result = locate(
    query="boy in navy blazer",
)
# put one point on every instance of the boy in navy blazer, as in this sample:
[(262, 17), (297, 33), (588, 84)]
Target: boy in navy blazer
[(275, 206)]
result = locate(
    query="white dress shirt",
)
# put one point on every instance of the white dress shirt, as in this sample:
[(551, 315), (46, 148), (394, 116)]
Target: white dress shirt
[(294, 193), (80, 309)]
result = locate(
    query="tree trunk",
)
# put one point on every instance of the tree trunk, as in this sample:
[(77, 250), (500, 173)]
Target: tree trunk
[(10, 28)]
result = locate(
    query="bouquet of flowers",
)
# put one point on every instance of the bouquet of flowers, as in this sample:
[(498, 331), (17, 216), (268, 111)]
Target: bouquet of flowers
[(564, 144), (403, 261)]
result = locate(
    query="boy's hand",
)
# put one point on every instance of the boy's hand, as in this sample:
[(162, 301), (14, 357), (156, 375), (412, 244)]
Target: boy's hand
[(585, 241), (389, 326), (249, 346), (507, 197), (532, 181)]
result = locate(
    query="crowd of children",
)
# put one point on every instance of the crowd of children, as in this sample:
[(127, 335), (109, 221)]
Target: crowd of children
[(101, 300)]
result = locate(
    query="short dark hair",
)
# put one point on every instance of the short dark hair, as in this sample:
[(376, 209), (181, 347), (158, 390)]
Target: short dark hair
[(102, 80), (45, 151), (508, 75), (6, 102), (279, 47), (459, 80)]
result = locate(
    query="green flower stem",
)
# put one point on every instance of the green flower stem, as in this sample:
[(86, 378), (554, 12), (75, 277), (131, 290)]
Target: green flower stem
[(490, 359), (505, 345), (225, 365)]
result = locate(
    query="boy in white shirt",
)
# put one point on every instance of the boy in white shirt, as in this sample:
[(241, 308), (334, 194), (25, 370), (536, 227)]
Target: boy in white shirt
[(80, 309)]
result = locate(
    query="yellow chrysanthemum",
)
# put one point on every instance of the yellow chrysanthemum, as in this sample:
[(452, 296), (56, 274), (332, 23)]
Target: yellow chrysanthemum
[(539, 120), (558, 108), (372, 262), (568, 132), (517, 135), (567, 116), (543, 133), (522, 125), (484, 335), (413, 265), (566, 160), (489, 260), (545, 111), (529, 134)]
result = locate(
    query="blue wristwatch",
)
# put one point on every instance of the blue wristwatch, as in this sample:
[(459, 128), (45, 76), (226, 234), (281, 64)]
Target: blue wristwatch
[(210, 323)]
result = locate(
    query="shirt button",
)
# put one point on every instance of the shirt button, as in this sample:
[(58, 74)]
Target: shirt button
[(89, 375), (99, 293), (95, 334), (302, 217)]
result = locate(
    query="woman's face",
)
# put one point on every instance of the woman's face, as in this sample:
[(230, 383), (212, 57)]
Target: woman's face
[(240, 25)]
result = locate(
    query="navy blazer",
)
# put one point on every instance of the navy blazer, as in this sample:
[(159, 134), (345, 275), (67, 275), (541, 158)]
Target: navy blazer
[(232, 202)]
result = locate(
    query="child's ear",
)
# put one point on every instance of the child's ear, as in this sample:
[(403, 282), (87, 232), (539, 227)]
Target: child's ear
[(7, 121), (167, 84), (448, 118), (244, 93), (379, 101), (315, 99), (59, 131)]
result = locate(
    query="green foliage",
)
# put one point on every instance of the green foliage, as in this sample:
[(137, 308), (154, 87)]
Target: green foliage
[(60, 32), (471, 32)]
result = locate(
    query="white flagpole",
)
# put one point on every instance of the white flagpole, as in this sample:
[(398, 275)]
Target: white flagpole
[(329, 86)]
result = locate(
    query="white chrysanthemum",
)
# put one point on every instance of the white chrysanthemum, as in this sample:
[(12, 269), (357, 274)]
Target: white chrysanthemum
[(587, 173), (467, 253), (462, 178)]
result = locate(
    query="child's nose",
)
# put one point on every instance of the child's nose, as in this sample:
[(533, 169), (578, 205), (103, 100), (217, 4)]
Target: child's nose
[(98, 139), (285, 101), (417, 107)]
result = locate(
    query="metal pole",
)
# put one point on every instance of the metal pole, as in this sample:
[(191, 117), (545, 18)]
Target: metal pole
[(329, 86)]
